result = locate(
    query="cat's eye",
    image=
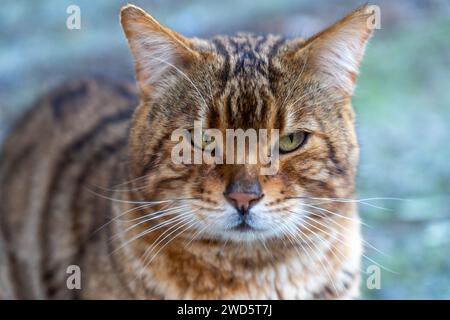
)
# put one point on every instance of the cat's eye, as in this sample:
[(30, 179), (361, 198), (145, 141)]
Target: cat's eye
[(292, 141), (205, 142)]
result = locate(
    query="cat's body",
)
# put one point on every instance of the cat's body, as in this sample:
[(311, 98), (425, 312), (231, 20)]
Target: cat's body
[(54, 224), (58, 206), (68, 142)]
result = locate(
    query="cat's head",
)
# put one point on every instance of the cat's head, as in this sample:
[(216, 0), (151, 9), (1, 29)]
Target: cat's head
[(300, 87)]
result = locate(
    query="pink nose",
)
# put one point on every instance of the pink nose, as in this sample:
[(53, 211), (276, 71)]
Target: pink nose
[(243, 201)]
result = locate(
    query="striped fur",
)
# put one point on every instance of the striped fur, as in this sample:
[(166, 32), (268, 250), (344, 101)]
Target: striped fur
[(59, 165), (72, 139)]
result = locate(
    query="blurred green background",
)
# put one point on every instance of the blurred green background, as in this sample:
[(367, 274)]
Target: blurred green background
[(402, 102)]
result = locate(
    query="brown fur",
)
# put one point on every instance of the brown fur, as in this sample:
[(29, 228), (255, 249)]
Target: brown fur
[(77, 137)]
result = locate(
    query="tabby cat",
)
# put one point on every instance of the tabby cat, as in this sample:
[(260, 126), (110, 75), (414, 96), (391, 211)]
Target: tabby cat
[(87, 180)]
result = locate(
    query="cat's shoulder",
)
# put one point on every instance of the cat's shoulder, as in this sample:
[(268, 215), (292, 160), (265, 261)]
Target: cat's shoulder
[(96, 95), (70, 110), (75, 99)]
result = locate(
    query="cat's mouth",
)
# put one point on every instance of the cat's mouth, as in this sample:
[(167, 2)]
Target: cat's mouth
[(245, 224), (243, 227)]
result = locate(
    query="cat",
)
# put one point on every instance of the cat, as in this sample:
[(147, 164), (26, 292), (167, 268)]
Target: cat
[(87, 182)]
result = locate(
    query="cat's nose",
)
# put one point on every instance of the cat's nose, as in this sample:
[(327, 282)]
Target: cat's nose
[(243, 201), (243, 190)]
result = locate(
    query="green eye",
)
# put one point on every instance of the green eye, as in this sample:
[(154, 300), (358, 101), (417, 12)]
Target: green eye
[(292, 141), (206, 140)]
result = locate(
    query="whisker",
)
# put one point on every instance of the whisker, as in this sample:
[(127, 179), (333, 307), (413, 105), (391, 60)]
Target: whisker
[(340, 226), (143, 233), (331, 248), (131, 181), (138, 202), (195, 236), (380, 265), (363, 255), (153, 217), (362, 201), (123, 190), (153, 245), (147, 215), (316, 254), (117, 218), (266, 249), (292, 239), (335, 237), (137, 208), (121, 215), (337, 214), (152, 229), (183, 74), (288, 96), (170, 240), (224, 245), (188, 222), (359, 202)]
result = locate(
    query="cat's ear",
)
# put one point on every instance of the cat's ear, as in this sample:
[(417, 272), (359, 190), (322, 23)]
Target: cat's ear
[(157, 50), (335, 53)]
